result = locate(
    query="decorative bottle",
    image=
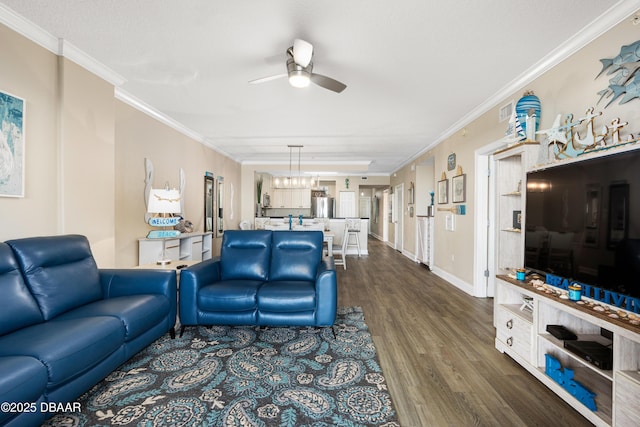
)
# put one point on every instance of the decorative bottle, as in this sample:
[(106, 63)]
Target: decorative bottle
[(528, 113)]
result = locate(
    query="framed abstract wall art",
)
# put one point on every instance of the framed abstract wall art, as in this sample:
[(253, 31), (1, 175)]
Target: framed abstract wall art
[(11, 146)]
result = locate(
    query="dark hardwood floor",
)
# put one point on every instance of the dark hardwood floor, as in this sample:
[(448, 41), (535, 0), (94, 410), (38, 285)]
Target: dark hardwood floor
[(436, 347)]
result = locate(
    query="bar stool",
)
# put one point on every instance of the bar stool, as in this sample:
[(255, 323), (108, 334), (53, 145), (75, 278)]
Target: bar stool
[(340, 249), (353, 230)]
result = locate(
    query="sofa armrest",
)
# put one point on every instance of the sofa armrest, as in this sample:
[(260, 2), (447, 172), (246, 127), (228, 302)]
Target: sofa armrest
[(327, 292), (122, 282), (191, 280)]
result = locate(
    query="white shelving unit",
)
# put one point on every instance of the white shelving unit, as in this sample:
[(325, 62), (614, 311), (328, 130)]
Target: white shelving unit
[(185, 247), (522, 334), (512, 164)]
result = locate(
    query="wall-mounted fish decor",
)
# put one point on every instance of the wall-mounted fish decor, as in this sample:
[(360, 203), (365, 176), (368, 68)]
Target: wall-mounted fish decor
[(630, 90), (624, 66)]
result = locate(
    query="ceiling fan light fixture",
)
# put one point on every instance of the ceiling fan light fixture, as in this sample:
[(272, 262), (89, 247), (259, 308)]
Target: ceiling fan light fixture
[(299, 78), (300, 70)]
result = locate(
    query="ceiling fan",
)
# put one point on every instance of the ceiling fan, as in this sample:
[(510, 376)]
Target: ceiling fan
[(300, 69)]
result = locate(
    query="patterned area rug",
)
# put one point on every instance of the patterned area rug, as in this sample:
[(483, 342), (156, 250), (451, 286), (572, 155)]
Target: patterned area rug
[(245, 376)]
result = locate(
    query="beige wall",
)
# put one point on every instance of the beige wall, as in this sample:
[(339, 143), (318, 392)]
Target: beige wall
[(376, 224), (87, 159), (68, 148), (570, 87), (31, 74), (139, 136), (85, 156)]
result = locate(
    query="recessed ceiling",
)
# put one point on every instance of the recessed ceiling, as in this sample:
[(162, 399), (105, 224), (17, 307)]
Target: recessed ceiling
[(413, 68)]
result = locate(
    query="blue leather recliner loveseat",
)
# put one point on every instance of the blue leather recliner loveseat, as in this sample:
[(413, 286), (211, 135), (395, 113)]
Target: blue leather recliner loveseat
[(65, 324), (263, 278)]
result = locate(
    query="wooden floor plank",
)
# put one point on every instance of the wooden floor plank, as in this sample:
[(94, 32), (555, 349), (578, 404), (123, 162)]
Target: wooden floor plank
[(436, 347)]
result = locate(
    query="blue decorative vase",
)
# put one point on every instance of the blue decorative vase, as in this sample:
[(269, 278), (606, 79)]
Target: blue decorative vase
[(526, 106)]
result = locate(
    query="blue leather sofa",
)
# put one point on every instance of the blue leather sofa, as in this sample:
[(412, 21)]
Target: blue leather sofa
[(264, 278), (65, 324)]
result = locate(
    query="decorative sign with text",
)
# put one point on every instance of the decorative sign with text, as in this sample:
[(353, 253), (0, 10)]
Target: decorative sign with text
[(158, 221), (603, 295)]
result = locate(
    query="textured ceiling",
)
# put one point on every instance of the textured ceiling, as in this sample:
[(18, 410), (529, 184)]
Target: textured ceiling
[(413, 68)]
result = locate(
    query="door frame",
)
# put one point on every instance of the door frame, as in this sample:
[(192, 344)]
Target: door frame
[(484, 229), (385, 216), (398, 212)]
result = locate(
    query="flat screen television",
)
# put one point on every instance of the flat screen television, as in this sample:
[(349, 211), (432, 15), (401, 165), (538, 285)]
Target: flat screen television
[(582, 221)]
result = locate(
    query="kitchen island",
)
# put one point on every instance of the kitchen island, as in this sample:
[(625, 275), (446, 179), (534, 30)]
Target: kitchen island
[(334, 225)]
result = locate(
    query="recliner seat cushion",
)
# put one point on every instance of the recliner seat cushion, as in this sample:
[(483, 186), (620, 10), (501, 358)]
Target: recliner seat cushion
[(138, 313), (19, 308), (22, 379), (295, 255), (229, 295), (245, 254), (60, 272), (287, 296), (66, 347)]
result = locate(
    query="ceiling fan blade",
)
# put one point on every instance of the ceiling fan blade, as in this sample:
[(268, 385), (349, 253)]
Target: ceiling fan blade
[(328, 83), (267, 79), (302, 52), (275, 59)]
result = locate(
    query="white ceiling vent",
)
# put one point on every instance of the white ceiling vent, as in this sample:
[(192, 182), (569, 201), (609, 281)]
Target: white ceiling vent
[(505, 112)]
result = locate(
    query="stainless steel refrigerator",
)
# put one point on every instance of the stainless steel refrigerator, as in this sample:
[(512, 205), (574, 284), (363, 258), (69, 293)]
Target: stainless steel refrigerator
[(322, 207)]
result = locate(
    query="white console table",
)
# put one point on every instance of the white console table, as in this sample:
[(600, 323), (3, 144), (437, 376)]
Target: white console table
[(185, 247)]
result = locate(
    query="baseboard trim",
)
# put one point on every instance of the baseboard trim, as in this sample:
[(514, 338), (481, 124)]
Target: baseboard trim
[(455, 281), (410, 255)]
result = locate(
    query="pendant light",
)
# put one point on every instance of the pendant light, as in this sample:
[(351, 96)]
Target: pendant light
[(295, 182)]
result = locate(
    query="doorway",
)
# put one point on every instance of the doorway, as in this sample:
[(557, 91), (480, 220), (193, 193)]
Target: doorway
[(484, 258)]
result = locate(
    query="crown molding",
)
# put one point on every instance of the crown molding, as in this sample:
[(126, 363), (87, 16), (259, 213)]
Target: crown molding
[(57, 46), (337, 163), (145, 108), (67, 50), (612, 17), (72, 53), (28, 29), (142, 106)]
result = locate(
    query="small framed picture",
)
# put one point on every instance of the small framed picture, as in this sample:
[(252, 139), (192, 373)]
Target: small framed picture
[(411, 194), (443, 192), (451, 161), (458, 188), (517, 220)]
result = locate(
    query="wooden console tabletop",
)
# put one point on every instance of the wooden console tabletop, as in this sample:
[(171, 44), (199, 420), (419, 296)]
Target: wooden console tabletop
[(588, 307)]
